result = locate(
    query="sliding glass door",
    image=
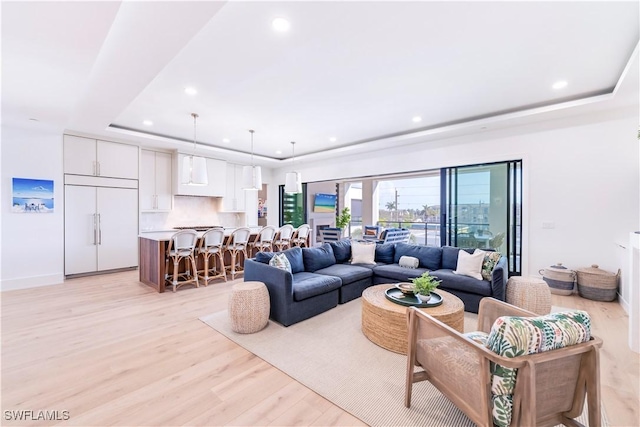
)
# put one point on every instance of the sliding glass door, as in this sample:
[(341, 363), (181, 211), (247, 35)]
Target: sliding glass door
[(483, 208), (293, 207)]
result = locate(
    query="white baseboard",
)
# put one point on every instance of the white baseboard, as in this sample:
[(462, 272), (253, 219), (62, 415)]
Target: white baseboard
[(31, 282), (624, 304)]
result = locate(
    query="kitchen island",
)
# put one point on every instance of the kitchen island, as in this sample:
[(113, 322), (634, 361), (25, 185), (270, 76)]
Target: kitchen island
[(152, 248)]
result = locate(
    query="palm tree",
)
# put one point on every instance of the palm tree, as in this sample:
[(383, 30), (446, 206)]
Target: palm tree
[(391, 206)]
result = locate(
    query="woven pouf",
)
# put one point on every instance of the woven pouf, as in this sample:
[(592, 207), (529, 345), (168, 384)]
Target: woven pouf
[(249, 307), (530, 293)]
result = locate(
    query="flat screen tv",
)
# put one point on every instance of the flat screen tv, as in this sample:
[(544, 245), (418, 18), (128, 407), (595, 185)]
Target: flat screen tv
[(325, 203)]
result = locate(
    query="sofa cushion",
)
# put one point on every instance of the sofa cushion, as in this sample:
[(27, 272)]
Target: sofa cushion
[(341, 250), (430, 257), (470, 264), (347, 273), (363, 253), (280, 261), (462, 283), (264, 257), (384, 252), (307, 285), (449, 257), (513, 336), (317, 258), (395, 273)]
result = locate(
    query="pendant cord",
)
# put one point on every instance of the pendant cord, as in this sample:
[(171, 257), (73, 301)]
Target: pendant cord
[(252, 131), (293, 157)]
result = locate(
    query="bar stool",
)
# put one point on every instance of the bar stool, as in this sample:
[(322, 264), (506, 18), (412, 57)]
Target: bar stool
[(301, 235), (237, 243), (182, 246), (283, 239), (264, 240), (211, 244)]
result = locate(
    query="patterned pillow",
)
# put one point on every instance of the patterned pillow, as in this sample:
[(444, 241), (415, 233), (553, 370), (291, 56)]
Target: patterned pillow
[(280, 261), (490, 261), (477, 336), (513, 336)]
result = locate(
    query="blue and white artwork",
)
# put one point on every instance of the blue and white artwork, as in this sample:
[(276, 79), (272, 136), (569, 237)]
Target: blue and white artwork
[(32, 195)]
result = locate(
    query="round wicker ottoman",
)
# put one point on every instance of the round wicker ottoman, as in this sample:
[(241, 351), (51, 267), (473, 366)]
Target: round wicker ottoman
[(530, 293), (249, 307)]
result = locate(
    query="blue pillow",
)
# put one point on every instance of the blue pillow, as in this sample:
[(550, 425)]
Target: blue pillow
[(384, 252), (264, 257), (341, 250), (449, 257), (317, 258), (430, 257), (294, 255)]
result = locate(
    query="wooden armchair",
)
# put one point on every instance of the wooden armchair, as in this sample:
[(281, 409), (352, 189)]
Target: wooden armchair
[(550, 386)]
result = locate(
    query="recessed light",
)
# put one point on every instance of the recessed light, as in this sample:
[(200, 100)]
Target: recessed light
[(278, 151), (190, 90), (560, 84), (226, 140), (417, 119), (147, 122), (333, 139), (280, 24)]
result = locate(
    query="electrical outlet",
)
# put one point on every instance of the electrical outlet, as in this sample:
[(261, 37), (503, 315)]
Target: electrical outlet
[(548, 224)]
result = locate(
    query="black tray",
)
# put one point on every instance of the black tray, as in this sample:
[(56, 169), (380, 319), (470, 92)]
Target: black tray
[(395, 295)]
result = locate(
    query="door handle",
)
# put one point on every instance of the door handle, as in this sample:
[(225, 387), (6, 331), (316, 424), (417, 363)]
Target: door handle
[(99, 231), (95, 229)]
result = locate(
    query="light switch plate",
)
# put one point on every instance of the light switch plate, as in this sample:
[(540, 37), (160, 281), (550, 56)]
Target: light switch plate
[(548, 224)]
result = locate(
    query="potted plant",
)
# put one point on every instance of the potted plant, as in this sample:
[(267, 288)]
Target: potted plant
[(424, 285), (343, 220)]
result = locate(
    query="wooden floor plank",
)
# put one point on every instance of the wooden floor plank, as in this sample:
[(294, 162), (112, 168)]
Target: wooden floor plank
[(112, 351)]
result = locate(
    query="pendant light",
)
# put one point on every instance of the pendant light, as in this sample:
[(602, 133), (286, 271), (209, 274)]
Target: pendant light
[(252, 175), (293, 181), (194, 169)]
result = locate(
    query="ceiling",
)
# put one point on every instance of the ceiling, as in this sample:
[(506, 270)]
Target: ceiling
[(358, 72)]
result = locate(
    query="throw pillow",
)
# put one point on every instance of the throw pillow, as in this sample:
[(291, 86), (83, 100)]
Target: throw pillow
[(341, 250), (384, 252), (370, 232), (363, 253), (264, 257), (470, 264), (490, 260), (408, 262), (280, 261)]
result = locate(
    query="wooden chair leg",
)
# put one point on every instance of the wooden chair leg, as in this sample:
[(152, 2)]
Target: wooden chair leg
[(195, 270), (175, 274), (206, 268), (222, 268)]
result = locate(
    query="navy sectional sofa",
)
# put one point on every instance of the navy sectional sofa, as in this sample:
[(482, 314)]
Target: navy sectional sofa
[(323, 277)]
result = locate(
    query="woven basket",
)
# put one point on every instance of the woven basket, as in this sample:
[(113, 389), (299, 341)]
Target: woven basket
[(560, 279), (596, 284)]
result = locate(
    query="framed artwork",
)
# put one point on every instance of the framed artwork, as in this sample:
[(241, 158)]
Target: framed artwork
[(32, 195)]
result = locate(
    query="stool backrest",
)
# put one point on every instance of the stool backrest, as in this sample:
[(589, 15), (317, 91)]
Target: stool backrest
[(303, 231), (183, 240), (266, 234), (286, 231), (212, 238), (239, 238)]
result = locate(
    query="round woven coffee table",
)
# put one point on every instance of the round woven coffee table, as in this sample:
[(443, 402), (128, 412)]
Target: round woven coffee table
[(385, 323), (249, 307)]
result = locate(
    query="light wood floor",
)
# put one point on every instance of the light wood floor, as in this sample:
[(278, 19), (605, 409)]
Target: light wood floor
[(112, 351)]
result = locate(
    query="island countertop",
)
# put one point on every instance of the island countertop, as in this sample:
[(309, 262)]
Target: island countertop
[(152, 252)]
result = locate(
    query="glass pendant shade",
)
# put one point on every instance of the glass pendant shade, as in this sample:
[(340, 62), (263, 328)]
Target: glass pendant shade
[(194, 168), (251, 178), (293, 183), (194, 171)]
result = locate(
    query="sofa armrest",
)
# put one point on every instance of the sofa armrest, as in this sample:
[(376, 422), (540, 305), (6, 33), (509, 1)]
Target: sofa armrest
[(279, 284), (499, 277)]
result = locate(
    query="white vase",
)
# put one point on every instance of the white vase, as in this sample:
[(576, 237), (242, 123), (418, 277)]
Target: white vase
[(424, 298)]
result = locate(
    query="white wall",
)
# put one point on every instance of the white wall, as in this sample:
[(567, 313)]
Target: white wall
[(580, 173), (32, 244)]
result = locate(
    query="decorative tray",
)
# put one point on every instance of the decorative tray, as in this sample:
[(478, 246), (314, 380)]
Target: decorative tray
[(395, 295)]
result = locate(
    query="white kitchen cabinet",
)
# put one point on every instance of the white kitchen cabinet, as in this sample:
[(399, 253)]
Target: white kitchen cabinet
[(216, 175), (100, 228), (155, 181), (234, 198), (86, 156)]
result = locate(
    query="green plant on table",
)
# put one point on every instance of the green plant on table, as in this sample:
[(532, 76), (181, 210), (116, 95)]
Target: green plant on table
[(343, 220), (425, 284)]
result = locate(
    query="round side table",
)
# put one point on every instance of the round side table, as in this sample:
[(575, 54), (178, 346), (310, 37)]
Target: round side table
[(529, 293), (249, 307)]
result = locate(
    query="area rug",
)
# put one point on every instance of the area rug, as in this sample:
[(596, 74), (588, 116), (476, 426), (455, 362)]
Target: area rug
[(329, 354)]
